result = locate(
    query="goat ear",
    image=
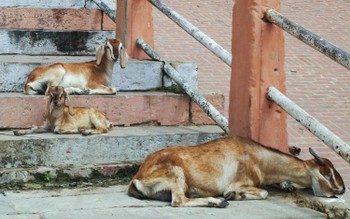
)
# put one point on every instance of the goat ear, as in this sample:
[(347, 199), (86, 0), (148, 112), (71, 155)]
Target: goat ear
[(70, 108), (99, 53), (123, 56), (47, 113)]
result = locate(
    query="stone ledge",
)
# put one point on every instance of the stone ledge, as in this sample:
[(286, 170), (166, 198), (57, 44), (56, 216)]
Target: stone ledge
[(120, 145)]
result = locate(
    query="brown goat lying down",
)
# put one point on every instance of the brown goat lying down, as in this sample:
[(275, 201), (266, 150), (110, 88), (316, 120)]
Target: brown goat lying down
[(80, 78), (67, 120), (235, 168)]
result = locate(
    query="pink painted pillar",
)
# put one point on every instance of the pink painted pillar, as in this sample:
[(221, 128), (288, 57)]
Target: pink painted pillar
[(134, 20), (257, 63)]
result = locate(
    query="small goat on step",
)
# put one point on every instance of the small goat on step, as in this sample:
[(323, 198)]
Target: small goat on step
[(67, 120), (235, 168), (80, 78)]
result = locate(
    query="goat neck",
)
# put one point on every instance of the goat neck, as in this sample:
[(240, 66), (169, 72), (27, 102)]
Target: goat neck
[(279, 167)]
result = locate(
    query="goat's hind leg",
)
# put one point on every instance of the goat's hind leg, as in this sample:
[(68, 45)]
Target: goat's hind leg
[(98, 121), (175, 182)]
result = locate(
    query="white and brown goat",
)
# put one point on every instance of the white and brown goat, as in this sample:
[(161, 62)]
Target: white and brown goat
[(68, 120), (80, 78), (235, 168)]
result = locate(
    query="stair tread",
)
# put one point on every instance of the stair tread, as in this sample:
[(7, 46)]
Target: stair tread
[(120, 145)]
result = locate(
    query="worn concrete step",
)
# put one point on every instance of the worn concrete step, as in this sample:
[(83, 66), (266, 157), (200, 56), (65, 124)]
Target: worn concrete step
[(48, 42), (123, 109), (138, 74), (120, 145)]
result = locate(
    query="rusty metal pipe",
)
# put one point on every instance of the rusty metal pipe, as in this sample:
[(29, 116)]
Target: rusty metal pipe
[(311, 39), (110, 13), (309, 122), (209, 109), (201, 37)]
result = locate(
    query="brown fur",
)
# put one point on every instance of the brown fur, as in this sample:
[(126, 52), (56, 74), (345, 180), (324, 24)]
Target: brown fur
[(69, 120), (80, 78), (235, 168)]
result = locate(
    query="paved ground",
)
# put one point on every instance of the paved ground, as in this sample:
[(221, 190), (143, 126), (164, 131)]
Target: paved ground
[(113, 202), (314, 82)]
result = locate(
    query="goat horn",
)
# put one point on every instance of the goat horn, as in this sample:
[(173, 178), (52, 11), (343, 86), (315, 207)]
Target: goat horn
[(320, 160)]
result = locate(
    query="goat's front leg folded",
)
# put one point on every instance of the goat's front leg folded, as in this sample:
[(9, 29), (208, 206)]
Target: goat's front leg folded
[(35, 129), (101, 89)]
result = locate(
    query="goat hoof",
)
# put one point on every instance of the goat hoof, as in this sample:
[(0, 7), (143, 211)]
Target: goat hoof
[(86, 133), (87, 92), (17, 132), (223, 204)]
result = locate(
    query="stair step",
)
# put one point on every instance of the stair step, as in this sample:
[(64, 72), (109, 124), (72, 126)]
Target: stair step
[(123, 109), (138, 75), (120, 145), (46, 42)]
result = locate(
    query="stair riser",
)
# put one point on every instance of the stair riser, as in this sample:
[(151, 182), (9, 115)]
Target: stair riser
[(119, 146), (33, 42), (138, 75), (123, 109)]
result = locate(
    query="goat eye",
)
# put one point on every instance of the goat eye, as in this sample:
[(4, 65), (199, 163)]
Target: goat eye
[(329, 176)]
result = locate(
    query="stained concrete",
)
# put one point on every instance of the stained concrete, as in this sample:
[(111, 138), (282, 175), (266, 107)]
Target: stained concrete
[(113, 202), (48, 42)]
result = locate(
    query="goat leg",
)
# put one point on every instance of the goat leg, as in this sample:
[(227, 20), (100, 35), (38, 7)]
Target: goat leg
[(35, 129)]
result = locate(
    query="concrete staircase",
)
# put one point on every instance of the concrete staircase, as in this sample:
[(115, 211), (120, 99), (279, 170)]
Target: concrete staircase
[(146, 113)]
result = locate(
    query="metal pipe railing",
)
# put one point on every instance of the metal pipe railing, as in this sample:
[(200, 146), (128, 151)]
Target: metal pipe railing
[(193, 93), (312, 124), (194, 32), (311, 39), (110, 13)]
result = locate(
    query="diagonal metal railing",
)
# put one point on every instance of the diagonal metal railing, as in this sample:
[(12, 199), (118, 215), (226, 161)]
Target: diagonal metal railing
[(309, 122), (309, 38), (193, 93), (306, 36), (326, 48), (201, 37)]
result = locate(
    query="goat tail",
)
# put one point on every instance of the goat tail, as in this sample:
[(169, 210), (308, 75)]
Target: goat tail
[(133, 192)]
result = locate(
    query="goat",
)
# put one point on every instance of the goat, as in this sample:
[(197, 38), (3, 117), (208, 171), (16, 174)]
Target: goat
[(233, 167), (80, 78), (69, 120)]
